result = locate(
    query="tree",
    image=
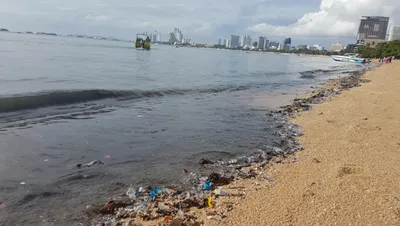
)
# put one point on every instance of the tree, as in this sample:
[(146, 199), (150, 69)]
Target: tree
[(383, 49)]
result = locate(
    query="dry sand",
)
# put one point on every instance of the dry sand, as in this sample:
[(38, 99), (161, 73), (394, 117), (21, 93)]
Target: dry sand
[(349, 172)]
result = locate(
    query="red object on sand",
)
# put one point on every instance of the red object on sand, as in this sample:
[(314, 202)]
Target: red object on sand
[(108, 208), (168, 219)]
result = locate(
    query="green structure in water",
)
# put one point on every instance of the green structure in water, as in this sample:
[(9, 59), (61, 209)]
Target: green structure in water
[(143, 41)]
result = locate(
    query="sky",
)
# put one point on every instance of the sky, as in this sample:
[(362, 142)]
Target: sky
[(305, 21)]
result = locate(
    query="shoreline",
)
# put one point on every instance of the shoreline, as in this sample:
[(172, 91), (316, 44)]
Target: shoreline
[(347, 172), (249, 176)]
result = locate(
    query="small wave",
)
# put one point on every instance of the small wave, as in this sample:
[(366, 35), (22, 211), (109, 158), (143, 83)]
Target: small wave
[(277, 73), (23, 79), (55, 98), (16, 103), (32, 196), (313, 73)]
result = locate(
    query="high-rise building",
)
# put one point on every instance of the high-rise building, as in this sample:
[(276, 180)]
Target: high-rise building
[(372, 28), (219, 41), (242, 41), (287, 41), (394, 33), (336, 47), (155, 37), (245, 41), (235, 41), (261, 43), (178, 35), (266, 44), (273, 45), (351, 47), (227, 43), (172, 38)]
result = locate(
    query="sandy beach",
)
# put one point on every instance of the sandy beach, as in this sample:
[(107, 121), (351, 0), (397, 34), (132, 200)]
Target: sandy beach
[(348, 171)]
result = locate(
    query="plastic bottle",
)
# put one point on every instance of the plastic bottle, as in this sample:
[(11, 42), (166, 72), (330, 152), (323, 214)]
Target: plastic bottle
[(131, 193)]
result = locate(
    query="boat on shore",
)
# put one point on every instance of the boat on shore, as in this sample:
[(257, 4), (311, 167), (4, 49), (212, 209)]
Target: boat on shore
[(352, 58), (142, 41)]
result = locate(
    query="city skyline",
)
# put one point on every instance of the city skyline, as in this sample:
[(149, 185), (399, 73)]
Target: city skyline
[(304, 20)]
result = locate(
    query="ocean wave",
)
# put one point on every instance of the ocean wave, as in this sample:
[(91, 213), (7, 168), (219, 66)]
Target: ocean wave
[(313, 73), (64, 97)]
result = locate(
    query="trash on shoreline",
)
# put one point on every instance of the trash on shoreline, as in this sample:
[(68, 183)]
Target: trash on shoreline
[(89, 164), (210, 202), (131, 193), (207, 185), (168, 205), (220, 192)]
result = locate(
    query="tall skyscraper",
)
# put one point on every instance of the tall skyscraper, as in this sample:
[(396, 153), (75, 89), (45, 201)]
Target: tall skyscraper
[(266, 45), (219, 41), (261, 43), (242, 41), (372, 28), (178, 35), (172, 37), (248, 41), (235, 41), (394, 33), (287, 41), (227, 43), (155, 37), (273, 44), (245, 41)]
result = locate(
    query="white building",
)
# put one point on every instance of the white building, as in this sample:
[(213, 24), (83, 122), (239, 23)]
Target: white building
[(242, 41), (245, 41), (155, 38), (336, 47), (227, 43), (315, 47), (178, 35), (394, 33)]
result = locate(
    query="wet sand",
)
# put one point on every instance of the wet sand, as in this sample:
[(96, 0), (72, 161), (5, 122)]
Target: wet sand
[(349, 170)]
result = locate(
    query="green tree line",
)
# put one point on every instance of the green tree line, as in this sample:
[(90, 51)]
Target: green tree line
[(384, 49)]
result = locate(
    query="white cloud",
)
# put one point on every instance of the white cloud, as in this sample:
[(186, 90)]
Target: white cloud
[(98, 18), (334, 18), (64, 8)]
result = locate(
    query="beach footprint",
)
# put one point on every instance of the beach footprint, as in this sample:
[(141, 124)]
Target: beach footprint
[(347, 169)]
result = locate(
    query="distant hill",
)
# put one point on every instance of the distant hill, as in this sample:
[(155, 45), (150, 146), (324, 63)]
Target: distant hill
[(3, 29)]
